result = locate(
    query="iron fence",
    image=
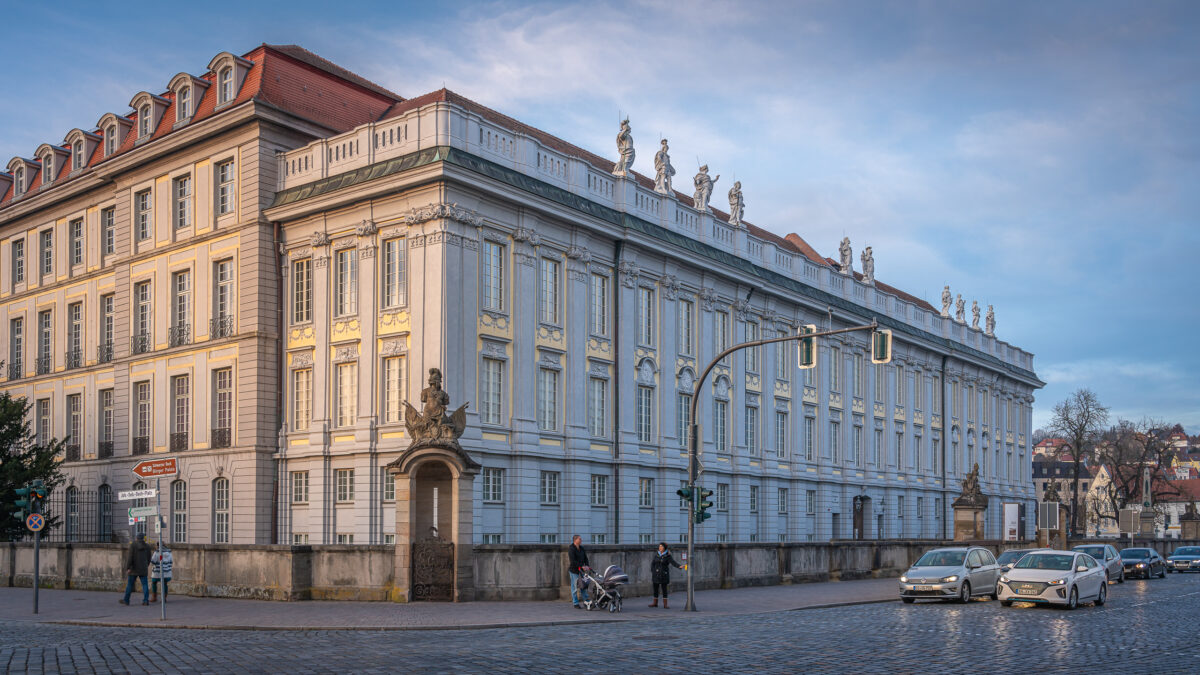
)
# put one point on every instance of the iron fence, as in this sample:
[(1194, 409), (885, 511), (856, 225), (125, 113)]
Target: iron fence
[(83, 516), (179, 335), (220, 327), (104, 352)]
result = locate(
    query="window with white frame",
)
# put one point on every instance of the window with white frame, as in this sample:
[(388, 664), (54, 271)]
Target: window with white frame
[(19, 182), (75, 419), (493, 485), (781, 433), (899, 506), (223, 289), (683, 412), (77, 155), (493, 276), (143, 215), (300, 539), (491, 387), (686, 309), (48, 168), (857, 449), (599, 490), (221, 511), (919, 390), (388, 481), (720, 430), (835, 369), (599, 538), (347, 394), (183, 104), (393, 389), (75, 333), (646, 493), (645, 316), (299, 487), (16, 345), (752, 353), (898, 449), (880, 382), (720, 332), (179, 509), (47, 247), (42, 433), (108, 320), (781, 499), (752, 430), (302, 398), (877, 447), (181, 404), (548, 284), (302, 290), (395, 288), (753, 499), (108, 229), (810, 502), (145, 121), (222, 415), (345, 539), (107, 415), (45, 341), (181, 300), (76, 232), (181, 191), (858, 376), (916, 452), (142, 420), (548, 487), (722, 500), (597, 406), (899, 384), (225, 85), (835, 442), (548, 538), (226, 188), (18, 261), (598, 319), (344, 484), (346, 286), (110, 140), (547, 399), (645, 414), (810, 437), (782, 367)]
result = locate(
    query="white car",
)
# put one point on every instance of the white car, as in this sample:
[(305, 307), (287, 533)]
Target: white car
[(1054, 577)]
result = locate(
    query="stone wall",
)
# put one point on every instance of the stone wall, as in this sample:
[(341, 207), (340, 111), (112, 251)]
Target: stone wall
[(502, 572)]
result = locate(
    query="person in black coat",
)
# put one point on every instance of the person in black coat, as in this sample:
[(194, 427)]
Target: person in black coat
[(137, 560), (577, 559), (660, 573)]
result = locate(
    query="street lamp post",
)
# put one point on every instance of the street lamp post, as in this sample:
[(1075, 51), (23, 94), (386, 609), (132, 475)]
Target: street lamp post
[(694, 442)]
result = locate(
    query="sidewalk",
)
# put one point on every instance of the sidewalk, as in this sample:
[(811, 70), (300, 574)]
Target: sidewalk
[(102, 609)]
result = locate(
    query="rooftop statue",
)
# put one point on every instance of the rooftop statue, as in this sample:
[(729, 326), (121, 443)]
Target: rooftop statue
[(625, 146), (991, 321), (737, 204), (947, 298), (433, 424), (663, 170), (975, 314), (847, 256), (868, 266), (704, 188), (960, 309)]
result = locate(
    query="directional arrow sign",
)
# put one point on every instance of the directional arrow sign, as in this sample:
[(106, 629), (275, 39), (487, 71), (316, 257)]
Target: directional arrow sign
[(126, 495), (143, 511), (152, 468)]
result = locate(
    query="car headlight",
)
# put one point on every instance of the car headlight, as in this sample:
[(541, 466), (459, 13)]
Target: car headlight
[(1058, 582), (1141, 564), (904, 577), (949, 579), (1004, 579)]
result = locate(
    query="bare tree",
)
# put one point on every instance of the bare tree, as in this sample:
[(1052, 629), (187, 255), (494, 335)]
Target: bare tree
[(1081, 420), (1126, 451)]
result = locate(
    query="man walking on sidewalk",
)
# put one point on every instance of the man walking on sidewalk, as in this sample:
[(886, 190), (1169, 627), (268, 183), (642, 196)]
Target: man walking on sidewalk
[(137, 560), (577, 558)]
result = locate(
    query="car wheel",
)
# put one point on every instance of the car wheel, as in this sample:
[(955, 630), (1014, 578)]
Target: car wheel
[(964, 593), (1103, 596), (1073, 598), (1006, 603), (908, 601), (1121, 579), (1162, 572)]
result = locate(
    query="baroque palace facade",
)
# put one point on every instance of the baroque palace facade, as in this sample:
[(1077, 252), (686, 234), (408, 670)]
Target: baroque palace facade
[(255, 270)]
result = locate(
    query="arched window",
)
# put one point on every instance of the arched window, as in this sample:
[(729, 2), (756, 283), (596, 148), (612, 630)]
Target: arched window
[(72, 513), (77, 155), (144, 121), (179, 512), (220, 500), (19, 181), (104, 513), (139, 528), (110, 140), (225, 85), (47, 168), (183, 104)]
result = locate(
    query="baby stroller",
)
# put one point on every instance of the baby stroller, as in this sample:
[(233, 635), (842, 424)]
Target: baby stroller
[(603, 590)]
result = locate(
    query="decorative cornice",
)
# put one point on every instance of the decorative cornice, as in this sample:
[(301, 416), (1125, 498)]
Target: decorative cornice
[(443, 211), (368, 228), (319, 239)]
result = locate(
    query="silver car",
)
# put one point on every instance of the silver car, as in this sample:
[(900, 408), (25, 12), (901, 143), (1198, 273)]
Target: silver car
[(1109, 559), (1054, 577), (951, 574)]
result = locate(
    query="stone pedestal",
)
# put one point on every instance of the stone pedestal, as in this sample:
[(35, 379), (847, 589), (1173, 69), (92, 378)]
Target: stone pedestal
[(1189, 523), (968, 522), (1054, 538)]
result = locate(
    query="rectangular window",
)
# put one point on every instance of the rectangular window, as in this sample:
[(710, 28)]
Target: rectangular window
[(720, 332), (781, 433), (899, 506), (683, 413), (389, 485), (181, 190), (877, 447), (299, 539), (346, 287), (548, 538), (753, 499), (107, 418), (858, 377), (493, 276), (345, 539), (393, 389), (42, 432), (646, 493), (222, 407), (110, 140), (180, 406), (347, 394), (835, 369), (645, 414), (547, 401), (835, 442), (142, 412), (548, 283), (74, 420), (722, 500), (753, 352), (107, 325), (782, 369), (183, 104), (493, 485), (299, 487), (880, 382), (302, 291), (857, 457), (18, 261), (548, 487), (75, 335), (179, 506), (599, 490), (302, 399), (646, 316), (491, 386), (344, 482), (919, 393), (226, 188), (76, 231), (782, 499), (752, 430), (221, 511), (899, 384), (181, 300), (810, 501), (395, 287), (16, 348), (897, 459), (142, 311), (143, 215), (223, 290), (720, 432), (45, 342), (916, 453), (936, 395), (686, 323), (108, 228), (47, 252), (599, 305), (810, 440), (597, 406), (599, 538)]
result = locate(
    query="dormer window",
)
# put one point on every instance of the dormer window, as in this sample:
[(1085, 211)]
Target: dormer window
[(229, 72), (19, 182), (183, 104), (225, 85), (110, 140), (115, 127), (47, 168), (189, 91), (77, 156), (144, 121), (150, 109)]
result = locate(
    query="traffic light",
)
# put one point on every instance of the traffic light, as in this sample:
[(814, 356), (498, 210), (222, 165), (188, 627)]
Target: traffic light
[(23, 507), (881, 346), (39, 489), (685, 493), (806, 348), (702, 505)]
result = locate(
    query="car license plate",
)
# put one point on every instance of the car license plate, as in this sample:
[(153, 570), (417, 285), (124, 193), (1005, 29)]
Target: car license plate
[(924, 588), (1026, 591)]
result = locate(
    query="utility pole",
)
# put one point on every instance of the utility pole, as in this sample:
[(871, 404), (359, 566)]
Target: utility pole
[(881, 349)]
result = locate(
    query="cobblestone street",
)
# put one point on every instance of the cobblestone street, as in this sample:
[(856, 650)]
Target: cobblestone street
[(1149, 626)]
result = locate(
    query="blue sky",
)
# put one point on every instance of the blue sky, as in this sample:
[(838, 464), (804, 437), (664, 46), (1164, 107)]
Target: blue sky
[(1040, 157)]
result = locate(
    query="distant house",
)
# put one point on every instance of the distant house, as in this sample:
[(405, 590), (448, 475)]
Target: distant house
[(1052, 447)]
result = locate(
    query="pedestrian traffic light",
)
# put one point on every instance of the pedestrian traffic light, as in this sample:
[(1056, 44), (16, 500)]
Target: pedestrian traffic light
[(881, 346), (806, 348), (23, 508), (685, 493), (702, 505)]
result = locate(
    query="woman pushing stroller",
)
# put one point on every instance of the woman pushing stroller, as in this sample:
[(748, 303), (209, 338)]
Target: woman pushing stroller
[(660, 573)]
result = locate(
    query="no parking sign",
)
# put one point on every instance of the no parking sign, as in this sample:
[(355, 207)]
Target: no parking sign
[(35, 522)]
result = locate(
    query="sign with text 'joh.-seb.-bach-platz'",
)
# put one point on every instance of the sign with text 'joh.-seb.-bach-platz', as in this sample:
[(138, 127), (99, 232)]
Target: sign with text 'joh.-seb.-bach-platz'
[(155, 468)]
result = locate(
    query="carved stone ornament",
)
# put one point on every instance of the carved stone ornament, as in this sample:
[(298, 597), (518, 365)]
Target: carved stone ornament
[(424, 214), (708, 297), (670, 286), (432, 423), (368, 228), (686, 380), (393, 348), (367, 252), (526, 234), (645, 373), (347, 353), (319, 239), (549, 359), (579, 253), (629, 273), (494, 350), (721, 387), (742, 307), (972, 494), (598, 369), (302, 359)]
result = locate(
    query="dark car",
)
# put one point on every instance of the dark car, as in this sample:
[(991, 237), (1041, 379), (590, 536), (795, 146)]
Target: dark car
[(1010, 557), (1184, 559), (1143, 562)]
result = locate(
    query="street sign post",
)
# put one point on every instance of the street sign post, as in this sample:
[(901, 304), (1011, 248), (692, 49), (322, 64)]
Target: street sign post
[(140, 511), (35, 522), (127, 495), (156, 468)]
